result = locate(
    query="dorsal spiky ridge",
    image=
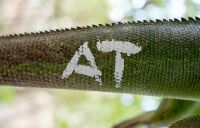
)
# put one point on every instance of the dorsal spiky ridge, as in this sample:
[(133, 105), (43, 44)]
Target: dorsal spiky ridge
[(157, 21)]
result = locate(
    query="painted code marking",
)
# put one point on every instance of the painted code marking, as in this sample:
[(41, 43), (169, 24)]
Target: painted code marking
[(103, 46)]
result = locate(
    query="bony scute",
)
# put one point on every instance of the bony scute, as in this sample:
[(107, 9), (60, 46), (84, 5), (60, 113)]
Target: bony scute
[(103, 46)]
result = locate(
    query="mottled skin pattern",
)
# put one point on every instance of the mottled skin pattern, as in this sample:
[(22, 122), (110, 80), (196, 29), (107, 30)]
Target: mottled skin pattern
[(167, 66)]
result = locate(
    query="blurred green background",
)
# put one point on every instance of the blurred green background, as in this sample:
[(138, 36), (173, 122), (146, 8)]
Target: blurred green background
[(54, 108)]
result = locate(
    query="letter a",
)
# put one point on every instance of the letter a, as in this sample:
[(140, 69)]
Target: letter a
[(91, 70)]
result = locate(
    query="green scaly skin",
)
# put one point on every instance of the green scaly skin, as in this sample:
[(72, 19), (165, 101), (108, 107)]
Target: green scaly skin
[(194, 122), (167, 66)]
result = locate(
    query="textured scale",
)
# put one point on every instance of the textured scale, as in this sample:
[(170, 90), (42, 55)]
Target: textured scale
[(168, 64), (189, 122)]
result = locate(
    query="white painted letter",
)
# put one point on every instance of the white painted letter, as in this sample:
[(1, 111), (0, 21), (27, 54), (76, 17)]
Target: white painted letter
[(119, 47), (91, 70)]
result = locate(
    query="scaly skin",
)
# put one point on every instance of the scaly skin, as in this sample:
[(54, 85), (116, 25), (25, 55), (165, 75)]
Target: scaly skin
[(168, 64), (189, 122)]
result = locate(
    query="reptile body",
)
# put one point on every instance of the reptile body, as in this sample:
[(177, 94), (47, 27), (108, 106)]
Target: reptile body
[(158, 58)]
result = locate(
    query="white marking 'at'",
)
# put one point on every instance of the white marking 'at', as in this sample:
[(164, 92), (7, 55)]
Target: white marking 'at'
[(104, 46)]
